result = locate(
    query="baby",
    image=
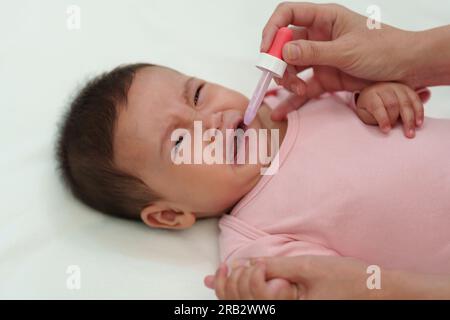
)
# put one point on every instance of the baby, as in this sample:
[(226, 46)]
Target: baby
[(341, 187)]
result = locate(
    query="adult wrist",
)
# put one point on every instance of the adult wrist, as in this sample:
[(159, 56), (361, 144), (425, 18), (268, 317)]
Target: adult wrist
[(391, 286), (399, 285), (427, 57), (411, 286)]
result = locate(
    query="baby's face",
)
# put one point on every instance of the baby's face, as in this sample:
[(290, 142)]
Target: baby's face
[(161, 100)]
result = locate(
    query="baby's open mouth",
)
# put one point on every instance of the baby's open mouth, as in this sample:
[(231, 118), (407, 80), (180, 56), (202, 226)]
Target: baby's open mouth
[(238, 138)]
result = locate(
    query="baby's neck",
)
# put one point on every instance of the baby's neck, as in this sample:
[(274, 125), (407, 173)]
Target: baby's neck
[(267, 123)]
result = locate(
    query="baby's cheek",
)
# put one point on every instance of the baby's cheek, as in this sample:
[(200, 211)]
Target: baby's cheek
[(281, 289)]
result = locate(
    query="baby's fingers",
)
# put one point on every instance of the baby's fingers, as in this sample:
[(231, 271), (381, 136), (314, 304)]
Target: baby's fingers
[(378, 111), (407, 114), (418, 107)]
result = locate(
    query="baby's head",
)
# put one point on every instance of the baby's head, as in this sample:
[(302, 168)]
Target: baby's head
[(115, 146)]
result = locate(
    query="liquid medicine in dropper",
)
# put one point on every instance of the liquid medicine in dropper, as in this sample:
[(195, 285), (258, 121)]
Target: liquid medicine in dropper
[(257, 97), (271, 64)]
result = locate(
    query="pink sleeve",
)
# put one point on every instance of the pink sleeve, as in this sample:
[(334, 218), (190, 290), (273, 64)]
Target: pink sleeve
[(239, 240), (277, 245)]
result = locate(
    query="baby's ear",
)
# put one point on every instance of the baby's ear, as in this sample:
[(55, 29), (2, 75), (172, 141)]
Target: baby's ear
[(160, 216)]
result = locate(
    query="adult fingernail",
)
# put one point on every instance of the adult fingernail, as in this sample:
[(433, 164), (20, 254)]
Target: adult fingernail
[(411, 133), (293, 52)]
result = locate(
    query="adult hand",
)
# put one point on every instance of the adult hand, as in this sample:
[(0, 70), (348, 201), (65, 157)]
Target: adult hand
[(323, 277), (343, 52), (249, 283), (313, 277)]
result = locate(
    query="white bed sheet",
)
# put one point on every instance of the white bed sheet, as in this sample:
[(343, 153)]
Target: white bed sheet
[(43, 229)]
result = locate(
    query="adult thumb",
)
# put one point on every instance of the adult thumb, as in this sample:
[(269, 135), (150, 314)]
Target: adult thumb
[(209, 282), (308, 53), (293, 269)]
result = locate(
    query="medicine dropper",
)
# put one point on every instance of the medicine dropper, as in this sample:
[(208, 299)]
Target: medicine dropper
[(272, 65)]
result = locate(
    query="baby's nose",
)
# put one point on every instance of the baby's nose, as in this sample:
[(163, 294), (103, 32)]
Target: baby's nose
[(214, 120)]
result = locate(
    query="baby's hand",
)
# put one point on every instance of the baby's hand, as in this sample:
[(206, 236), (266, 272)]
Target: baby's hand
[(382, 104), (249, 283)]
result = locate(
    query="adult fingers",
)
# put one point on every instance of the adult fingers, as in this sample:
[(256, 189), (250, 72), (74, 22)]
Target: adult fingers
[(307, 53), (294, 269), (298, 14), (231, 286), (220, 281), (291, 81), (208, 281), (258, 282), (299, 33), (244, 284), (291, 103)]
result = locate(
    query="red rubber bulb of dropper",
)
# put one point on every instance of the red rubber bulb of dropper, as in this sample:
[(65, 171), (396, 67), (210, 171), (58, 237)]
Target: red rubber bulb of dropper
[(283, 35)]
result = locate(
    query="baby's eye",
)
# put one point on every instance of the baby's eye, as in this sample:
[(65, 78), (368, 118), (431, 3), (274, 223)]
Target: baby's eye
[(197, 93)]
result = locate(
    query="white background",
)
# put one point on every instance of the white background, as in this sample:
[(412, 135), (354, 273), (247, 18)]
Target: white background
[(42, 229)]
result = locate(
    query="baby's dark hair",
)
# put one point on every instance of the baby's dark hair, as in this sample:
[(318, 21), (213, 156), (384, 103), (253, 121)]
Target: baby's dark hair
[(85, 152)]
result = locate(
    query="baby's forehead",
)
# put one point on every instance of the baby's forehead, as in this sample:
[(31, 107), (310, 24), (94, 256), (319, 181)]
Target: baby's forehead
[(155, 77), (138, 124), (154, 86)]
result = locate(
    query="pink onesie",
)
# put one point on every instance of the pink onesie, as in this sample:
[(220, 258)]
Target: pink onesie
[(345, 188)]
